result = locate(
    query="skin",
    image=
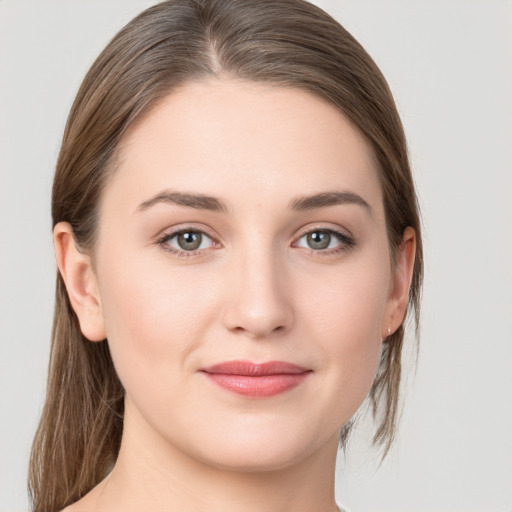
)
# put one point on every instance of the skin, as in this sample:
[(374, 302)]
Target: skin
[(255, 290)]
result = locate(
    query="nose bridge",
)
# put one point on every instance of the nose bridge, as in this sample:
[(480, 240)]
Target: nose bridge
[(259, 302)]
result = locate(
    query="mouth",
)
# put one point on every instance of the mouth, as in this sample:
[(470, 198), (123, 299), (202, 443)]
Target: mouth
[(256, 380)]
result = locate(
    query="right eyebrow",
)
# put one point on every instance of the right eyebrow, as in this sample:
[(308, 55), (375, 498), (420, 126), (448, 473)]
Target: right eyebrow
[(198, 201)]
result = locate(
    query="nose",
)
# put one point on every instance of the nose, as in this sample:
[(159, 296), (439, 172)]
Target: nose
[(260, 298)]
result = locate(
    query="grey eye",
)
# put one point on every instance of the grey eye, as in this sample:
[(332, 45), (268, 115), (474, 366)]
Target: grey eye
[(322, 239), (189, 241), (318, 240)]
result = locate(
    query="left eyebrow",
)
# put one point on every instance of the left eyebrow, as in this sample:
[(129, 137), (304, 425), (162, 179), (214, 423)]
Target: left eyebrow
[(325, 199)]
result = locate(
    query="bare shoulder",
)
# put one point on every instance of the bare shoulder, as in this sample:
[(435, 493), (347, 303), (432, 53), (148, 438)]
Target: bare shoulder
[(74, 507), (84, 504), (89, 502), (79, 506)]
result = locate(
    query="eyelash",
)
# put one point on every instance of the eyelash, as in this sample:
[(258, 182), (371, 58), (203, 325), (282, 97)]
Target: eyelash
[(164, 240), (345, 242)]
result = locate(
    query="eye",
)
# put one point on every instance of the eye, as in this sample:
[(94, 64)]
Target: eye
[(186, 240), (324, 239)]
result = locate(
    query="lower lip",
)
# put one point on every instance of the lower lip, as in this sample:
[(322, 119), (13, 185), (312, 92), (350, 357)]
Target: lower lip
[(258, 386)]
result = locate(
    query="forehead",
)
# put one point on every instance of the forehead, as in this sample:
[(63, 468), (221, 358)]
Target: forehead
[(233, 138)]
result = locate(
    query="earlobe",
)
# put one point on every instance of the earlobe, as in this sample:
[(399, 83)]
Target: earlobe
[(76, 270), (401, 283)]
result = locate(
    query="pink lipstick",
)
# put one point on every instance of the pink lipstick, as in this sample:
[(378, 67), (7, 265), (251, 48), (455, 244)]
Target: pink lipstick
[(257, 380)]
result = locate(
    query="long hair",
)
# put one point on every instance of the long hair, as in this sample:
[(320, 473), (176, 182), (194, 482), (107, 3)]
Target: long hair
[(285, 42)]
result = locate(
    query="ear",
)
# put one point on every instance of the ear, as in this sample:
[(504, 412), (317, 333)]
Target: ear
[(400, 284), (75, 268)]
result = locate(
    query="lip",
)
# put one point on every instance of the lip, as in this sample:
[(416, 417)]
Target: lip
[(257, 380)]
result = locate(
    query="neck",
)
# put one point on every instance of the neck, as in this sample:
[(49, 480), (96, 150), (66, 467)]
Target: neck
[(153, 476)]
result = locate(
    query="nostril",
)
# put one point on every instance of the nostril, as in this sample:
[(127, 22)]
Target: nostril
[(258, 306)]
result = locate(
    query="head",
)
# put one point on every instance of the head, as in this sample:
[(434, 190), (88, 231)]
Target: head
[(171, 55)]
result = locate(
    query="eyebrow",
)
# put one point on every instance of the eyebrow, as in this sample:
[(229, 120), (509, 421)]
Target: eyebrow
[(197, 201), (325, 199), (210, 203)]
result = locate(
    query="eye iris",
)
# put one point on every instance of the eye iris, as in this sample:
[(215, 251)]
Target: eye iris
[(319, 240), (189, 240)]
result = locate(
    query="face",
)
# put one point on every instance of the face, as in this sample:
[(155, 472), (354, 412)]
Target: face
[(243, 273)]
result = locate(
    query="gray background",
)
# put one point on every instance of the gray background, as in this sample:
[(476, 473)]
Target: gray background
[(449, 66)]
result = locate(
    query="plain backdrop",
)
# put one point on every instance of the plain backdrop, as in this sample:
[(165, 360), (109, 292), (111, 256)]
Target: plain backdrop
[(449, 66)]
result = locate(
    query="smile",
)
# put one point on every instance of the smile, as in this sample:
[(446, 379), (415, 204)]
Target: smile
[(257, 380)]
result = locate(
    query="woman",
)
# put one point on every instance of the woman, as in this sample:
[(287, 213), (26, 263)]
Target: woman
[(238, 245)]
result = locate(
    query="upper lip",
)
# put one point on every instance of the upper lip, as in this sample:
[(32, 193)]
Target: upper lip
[(250, 369)]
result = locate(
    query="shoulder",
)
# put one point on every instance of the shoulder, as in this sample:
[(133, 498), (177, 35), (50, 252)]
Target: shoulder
[(73, 508), (84, 505)]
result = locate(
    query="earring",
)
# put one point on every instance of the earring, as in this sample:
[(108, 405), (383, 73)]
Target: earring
[(389, 329)]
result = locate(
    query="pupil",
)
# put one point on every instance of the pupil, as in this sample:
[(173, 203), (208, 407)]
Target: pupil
[(319, 240), (189, 241)]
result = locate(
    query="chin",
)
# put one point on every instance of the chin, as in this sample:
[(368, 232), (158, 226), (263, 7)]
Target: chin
[(256, 459), (262, 448)]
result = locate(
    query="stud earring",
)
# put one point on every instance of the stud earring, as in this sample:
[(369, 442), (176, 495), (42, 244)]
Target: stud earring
[(389, 329)]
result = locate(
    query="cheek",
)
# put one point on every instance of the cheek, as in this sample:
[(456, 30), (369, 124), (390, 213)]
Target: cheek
[(154, 317), (346, 311)]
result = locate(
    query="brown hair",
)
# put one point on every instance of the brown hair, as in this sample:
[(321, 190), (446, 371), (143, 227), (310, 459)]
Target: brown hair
[(285, 42)]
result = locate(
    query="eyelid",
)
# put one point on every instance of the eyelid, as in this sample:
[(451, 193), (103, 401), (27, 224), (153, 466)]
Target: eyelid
[(346, 239), (310, 228), (169, 233), (344, 236)]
